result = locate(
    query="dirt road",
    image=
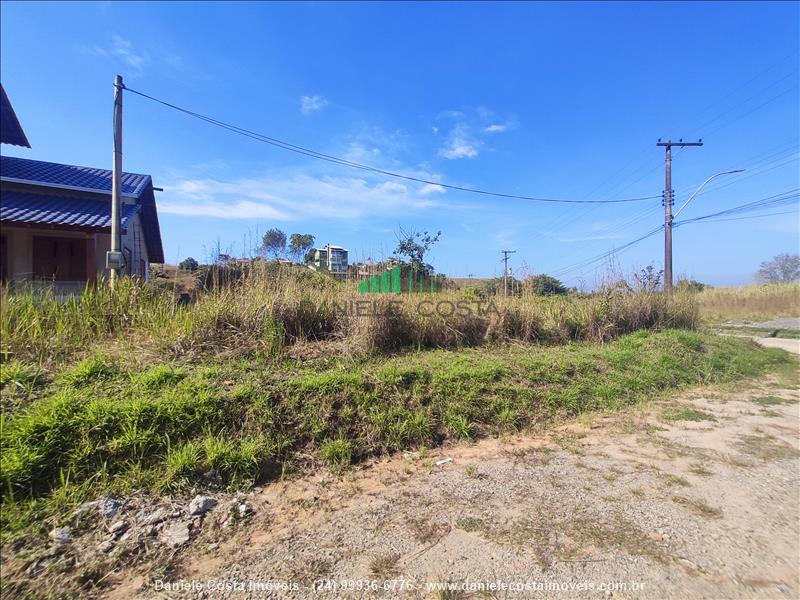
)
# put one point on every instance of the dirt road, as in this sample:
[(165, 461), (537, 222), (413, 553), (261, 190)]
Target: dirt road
[(694, 497)]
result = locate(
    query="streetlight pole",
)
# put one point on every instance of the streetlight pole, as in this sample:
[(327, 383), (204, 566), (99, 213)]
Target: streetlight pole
[(702, 185), (671, 218)]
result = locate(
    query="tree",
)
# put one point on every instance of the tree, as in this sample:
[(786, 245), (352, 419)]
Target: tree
[(545, 285), (274, 243), (784, 268), (414, 245), (648, 279), (690, 285), (188, 264), (300, 244)]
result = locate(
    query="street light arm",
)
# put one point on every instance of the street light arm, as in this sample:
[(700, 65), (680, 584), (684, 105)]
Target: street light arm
[(697, 191)]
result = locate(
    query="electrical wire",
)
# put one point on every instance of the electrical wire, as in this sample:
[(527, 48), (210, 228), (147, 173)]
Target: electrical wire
[(769, 202), (786, 212), (340, 161)]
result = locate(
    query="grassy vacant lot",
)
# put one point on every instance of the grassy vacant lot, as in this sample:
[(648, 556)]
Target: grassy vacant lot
[(752, 302), (127, 391)]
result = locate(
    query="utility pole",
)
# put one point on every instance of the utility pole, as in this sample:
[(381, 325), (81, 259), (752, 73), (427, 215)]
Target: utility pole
[(505, 270), (668, 200), (114, 259)]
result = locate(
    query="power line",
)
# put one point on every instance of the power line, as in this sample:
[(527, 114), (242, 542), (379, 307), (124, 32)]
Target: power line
[(600, 257), (341, 161), (768, 202), (785, 212)]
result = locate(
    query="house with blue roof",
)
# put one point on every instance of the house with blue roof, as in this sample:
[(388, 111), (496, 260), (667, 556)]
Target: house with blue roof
[(55, 219)]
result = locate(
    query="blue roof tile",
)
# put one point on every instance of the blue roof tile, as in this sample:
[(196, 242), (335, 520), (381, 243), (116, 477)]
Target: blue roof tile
[(56, 174), (10, 130), (60, 211)]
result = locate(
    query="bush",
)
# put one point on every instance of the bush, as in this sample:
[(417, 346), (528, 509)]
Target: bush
[(544, 285)]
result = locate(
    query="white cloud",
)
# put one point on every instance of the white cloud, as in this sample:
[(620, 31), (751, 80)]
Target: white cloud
[(495, 128), (289, 197), (122, 50), (312, 104), (431, 188), (460, 144)]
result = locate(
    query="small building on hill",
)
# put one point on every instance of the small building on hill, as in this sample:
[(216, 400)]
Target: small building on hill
[(330, 259), (55, 219)]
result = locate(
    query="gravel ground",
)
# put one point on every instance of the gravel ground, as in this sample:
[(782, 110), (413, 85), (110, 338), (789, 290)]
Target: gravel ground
[(670, 508), (792, 323)]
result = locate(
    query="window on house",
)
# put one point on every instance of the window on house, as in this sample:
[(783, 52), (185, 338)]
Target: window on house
[(59, 259)]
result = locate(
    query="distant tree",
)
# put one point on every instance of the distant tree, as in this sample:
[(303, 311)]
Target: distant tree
[(414, 245), (300, 244), (648, 279), (545, 285), (690, 285), (189, 264), (784, 268), (274, 243)]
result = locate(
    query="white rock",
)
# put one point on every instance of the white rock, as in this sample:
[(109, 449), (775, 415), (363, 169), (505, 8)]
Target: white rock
[(118, 527), (108, 507), (158, 516), (201, 505), (61, 535), (176, 534)]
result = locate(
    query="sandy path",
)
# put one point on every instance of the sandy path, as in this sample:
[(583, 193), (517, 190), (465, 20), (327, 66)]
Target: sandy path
[(655, 507), (790, 345)]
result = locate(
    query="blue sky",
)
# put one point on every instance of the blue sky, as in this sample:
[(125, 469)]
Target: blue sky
[(549, 100)]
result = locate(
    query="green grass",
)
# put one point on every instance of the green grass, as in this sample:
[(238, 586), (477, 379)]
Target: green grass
[(106, 425), (687, 414), (772, 401)]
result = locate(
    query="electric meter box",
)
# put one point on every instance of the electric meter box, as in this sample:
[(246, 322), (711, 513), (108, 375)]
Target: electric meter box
[(114, 260)]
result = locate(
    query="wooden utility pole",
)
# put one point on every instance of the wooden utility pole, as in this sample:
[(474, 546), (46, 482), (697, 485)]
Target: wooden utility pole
[(668, 200), (114, 260), (505, 270)]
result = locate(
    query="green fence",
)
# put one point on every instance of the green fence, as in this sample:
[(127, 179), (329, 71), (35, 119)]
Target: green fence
[(393, 281)]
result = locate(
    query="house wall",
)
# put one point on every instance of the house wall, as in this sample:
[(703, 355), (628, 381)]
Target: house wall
[(20, 251)]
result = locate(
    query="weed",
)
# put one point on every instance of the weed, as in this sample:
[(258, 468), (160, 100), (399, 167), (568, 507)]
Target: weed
[(337, 452), (772, 401), (425, 531), (471, 524), (571, 442), (766, 447), (671, 480), (698, 507), (699, 468), (385, 565), (471, 471), (688, 414), (90, 370)]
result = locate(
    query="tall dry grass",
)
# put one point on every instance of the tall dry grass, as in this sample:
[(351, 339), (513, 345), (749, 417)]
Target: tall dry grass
[(752, 302), (269, 309)]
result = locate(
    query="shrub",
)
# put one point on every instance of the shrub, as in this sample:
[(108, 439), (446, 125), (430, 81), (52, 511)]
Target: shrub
[(337, 452)]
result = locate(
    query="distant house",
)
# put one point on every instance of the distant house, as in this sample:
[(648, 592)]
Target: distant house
[(331, 259), (55, 219)]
